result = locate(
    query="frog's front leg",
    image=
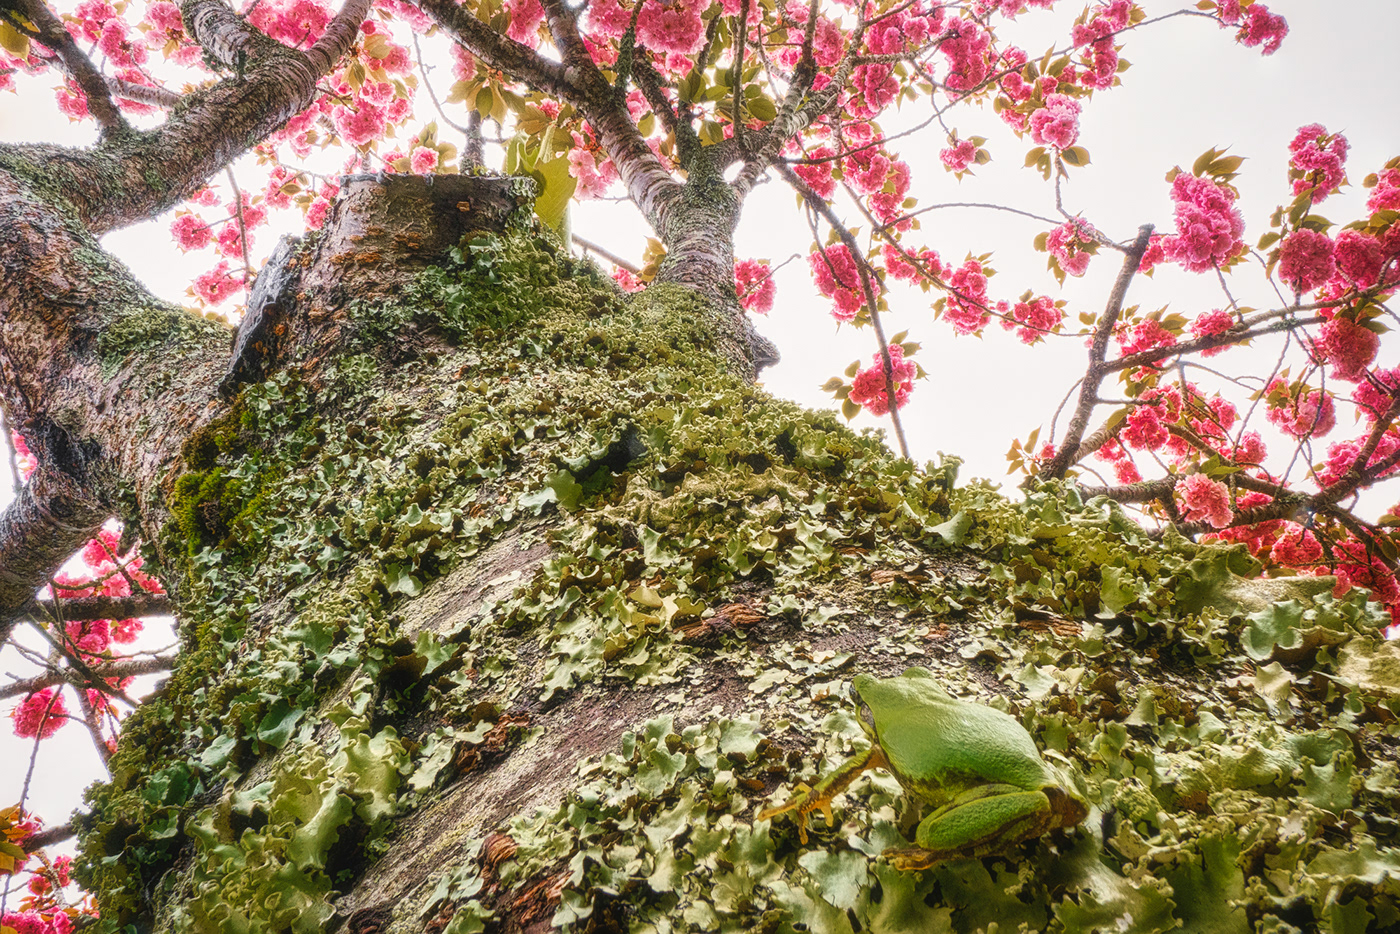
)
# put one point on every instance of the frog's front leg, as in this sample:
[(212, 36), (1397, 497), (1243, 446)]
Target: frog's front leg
[(984, 821), (819, 797)]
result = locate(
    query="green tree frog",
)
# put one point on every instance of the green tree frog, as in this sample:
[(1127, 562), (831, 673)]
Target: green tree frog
[(977, 766)]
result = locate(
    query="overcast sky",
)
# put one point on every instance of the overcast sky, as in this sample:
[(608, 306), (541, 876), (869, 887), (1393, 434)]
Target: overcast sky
[(1190, 88)]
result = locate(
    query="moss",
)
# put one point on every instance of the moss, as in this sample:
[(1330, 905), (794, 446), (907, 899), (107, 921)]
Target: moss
[(139, 330)]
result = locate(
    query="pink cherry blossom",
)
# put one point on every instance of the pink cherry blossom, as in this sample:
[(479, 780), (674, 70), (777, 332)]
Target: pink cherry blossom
[(959, 157), (965, 45), (898, 267), (1204, 499), (1208, 226), (1297, 547), (316, 212), (628, 281), (1306, 260), (359, 125), (1342, 455), (1317, 163), (1362, 567), (1263, 28), (191, 232), (1057, 123), (216, 285), (72, 102), (1376, 392), (24, 460), (1143, 428), (868, 389), (818, 175), (965, 306), (836, 276), (1360, 258), (1250, 449), (670, 29), (1348, 347), (525, 19), (1145, 336), (40, 715), (1066, 244), (423, 160), (89, 17), (1309, 414), (1213, 324), (1386, 195), (1034, 319), (298, 23), (753, 283), (594, 177)]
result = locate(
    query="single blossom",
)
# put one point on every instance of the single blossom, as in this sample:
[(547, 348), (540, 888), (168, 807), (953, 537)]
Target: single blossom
[(1204, 499), (1057, 123), (1306, 415), (40, 715), (753, 283), (1306, 260)]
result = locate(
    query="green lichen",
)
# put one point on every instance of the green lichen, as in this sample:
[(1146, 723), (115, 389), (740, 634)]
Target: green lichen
[(543, 412), (151, 330)]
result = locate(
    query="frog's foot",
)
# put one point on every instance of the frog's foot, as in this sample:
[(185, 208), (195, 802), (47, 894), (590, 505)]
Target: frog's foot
[(913, 858), (819, 798), (803, 803)]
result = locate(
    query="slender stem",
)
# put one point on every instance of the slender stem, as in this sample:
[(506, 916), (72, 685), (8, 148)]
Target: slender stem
[(1068, 451)]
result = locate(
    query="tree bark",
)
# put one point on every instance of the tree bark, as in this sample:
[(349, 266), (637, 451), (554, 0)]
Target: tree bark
[(507, 600)]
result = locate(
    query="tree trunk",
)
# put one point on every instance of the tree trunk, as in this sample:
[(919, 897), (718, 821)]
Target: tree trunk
[(507, 600)]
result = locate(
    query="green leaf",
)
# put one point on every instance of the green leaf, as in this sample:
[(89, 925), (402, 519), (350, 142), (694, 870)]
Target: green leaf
[(13, 41), (1075, 155), (400, 579), (761, 108), (840, 876), (557, 186)]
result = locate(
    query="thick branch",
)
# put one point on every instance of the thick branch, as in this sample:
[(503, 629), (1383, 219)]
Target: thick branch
[(89, 608), (144, 94), (52, 33), (120, 668), (49, 519), (501, 52), (577, 81)]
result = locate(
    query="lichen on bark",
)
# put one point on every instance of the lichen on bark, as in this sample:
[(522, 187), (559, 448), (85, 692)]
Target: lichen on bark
[(515, 607)]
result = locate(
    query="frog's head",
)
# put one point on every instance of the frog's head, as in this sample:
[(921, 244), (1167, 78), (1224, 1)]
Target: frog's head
[(886, 697)]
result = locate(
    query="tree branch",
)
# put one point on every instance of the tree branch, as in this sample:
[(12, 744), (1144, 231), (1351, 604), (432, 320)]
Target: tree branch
[(819, 205), (118, 668), (49, 519), (52, 33), (90, 608), (1067, 451)]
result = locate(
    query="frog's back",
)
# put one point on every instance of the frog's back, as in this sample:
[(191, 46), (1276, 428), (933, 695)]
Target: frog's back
[(958, 745)]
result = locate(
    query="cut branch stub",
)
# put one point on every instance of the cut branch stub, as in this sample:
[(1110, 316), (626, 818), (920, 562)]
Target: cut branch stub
[(385, 225)]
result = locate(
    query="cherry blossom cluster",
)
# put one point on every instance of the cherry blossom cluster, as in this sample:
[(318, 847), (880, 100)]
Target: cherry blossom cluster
[(42, 910), (1070, 246), (868, 389), (753, 283), (101, 570)]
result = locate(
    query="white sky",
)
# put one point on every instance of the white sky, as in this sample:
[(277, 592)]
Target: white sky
[(1190, 88)]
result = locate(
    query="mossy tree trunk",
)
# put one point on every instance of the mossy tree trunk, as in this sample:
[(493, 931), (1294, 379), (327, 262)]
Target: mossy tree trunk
[(506, 602)]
